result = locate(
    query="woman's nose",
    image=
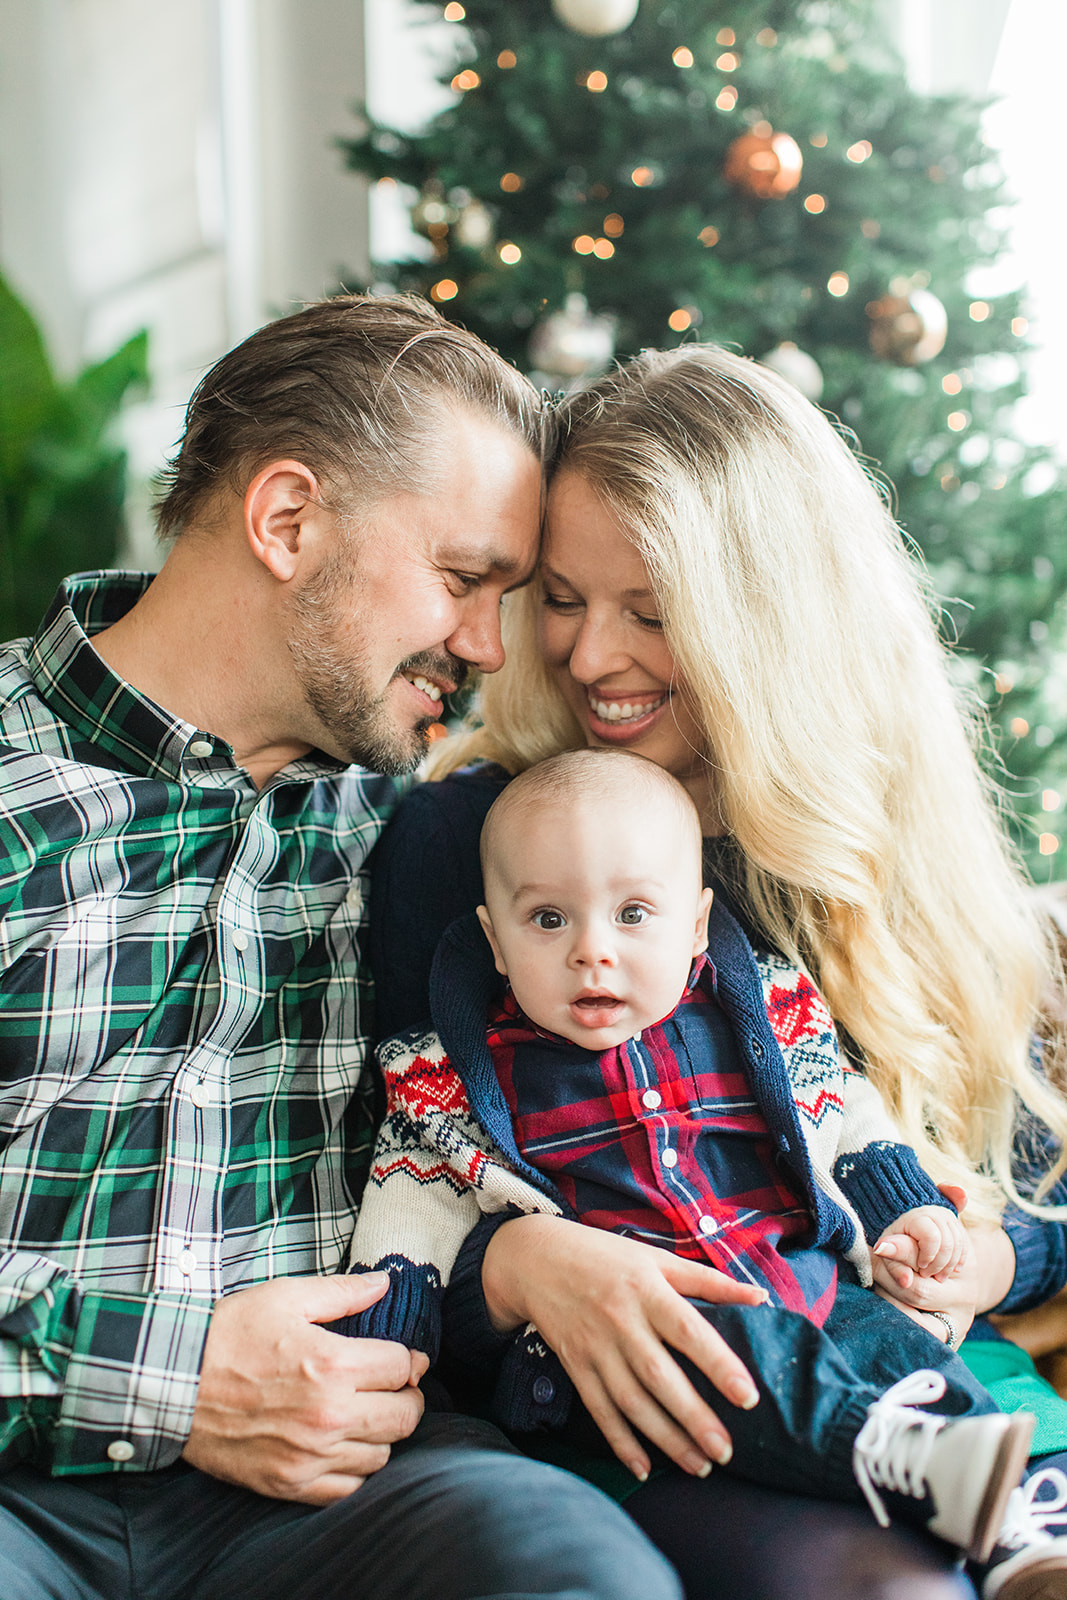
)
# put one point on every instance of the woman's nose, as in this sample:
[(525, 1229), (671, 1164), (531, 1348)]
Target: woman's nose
[(598, 652)]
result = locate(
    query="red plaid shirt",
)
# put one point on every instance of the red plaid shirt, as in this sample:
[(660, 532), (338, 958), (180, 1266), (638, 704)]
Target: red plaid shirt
[(661, 1138)]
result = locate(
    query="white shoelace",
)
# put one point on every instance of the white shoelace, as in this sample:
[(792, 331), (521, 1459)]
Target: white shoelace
[(893, 1447), (1027, 1519)]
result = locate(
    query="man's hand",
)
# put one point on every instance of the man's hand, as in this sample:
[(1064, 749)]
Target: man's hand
[(614, 1311), (291, 1410), (930, 1240)]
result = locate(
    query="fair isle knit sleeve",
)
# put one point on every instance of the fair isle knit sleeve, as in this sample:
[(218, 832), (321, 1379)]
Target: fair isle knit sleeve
[(879, 1175), (435, 1173)]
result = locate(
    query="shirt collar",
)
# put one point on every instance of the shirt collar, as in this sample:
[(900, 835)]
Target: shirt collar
[(110, 714)]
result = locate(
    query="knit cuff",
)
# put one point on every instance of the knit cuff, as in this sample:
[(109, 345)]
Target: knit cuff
[(1040, 1259), (883, 1181), (409, 1311), (468, 1333)]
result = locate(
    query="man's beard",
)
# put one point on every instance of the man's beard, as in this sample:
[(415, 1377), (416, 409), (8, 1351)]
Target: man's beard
[(363, 726)]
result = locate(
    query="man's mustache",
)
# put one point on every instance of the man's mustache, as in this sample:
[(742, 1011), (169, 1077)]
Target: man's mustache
[(437, 667)]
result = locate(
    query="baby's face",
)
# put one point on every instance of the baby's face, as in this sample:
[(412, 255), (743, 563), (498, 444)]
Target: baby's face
[(595, 912)]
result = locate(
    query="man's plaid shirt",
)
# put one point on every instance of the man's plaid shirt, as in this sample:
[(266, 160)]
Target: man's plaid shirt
[(183, 1024)]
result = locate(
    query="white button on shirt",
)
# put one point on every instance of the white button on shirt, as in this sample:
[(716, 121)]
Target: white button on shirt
[(200, 1095), (201, 747), (670, 1158), (651, 1098), (240, 940), (187, 1263), (707, 1225), (120, 1450), (354, 897)]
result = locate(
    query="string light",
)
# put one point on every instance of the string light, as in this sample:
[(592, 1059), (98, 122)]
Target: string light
[(837, 284), (465, 80), (726, 98), (816, 204), (709, 237), (952, 383), (595, 82), (679, 320), (511, 183), (767, 37), (1003, 683), (454, 12), (819, 140), (871, 229), (949, 481), (979, 310), (957, 420), (641, 177), (726, 36), (1020, 727), (1048, 844), (859, 151), (386, 183), (727, 62), (1019, 325), (603, 249), (613, 225), (445, 289), (509, 253), (584, 244), (1051, 800), (682, 57)]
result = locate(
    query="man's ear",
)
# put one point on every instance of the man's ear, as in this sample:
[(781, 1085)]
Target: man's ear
[(487, 928), (700, 937), (280, 501)]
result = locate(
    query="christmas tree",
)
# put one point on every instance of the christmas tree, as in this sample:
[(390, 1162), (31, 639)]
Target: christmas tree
[(759, 173)]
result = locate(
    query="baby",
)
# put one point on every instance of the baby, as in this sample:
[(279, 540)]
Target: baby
[(629, 1082)]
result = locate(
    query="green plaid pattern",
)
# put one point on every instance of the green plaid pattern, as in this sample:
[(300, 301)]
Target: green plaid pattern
[(183, 1027)]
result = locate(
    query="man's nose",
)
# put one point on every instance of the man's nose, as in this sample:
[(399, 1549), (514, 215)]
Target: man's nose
[(477, 639)]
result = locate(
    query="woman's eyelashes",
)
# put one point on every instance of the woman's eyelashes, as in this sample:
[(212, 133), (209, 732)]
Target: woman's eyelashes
[(568, 607)]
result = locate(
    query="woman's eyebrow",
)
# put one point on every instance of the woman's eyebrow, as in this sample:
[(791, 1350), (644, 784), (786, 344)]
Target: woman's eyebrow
[(627, 594)]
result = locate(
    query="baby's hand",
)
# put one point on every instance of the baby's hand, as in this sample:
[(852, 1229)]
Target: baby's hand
[(929, 1240)]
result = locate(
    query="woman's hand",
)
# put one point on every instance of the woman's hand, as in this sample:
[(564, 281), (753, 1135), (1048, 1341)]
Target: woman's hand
[(984, 1278), (613, 1310)]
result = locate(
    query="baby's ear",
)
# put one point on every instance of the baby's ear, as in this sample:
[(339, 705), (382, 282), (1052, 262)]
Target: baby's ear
[(700, 937), (487, 928)]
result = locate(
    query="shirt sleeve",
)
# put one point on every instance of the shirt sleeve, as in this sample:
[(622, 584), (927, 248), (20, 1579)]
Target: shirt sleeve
[(92, 1382)]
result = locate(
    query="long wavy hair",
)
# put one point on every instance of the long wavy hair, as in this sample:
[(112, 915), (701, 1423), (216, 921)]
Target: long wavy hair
[(861, 834)]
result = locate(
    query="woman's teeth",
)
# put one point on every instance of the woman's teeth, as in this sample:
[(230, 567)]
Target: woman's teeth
[(624, 710), (427, 687)]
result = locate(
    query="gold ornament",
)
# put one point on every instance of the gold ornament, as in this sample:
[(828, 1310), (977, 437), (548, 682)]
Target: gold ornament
[(596, 18), (765, 163), (907, 329), (573, 343), (797, 367)]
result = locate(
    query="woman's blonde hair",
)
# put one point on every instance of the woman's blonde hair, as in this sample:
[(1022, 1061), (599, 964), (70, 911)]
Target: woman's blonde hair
[(863, 836)]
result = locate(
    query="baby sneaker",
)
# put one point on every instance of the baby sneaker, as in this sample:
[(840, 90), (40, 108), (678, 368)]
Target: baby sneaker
[(1028, 1562), (963, 1470)]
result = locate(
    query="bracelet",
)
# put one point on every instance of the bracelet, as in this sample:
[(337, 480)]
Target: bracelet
[(953, 1341)]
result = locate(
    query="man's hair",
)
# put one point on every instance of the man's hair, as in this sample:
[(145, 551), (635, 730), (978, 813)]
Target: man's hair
[(354, 388), (612, 777)]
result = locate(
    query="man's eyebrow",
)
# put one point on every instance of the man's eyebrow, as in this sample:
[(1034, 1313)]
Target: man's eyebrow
[(476, 558)]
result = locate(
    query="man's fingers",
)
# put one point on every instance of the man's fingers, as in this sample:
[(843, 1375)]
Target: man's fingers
[(326, 1299)]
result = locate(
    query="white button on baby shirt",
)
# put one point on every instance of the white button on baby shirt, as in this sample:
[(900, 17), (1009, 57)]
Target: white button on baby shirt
[(670, 1158), (651, 1098)]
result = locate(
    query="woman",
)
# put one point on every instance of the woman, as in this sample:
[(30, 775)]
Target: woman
[(724, 591)]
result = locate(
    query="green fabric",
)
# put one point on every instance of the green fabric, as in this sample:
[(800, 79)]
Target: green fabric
[(1016, 1385)]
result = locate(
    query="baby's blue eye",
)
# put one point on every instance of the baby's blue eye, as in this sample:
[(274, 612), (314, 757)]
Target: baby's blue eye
[(631, 916), (549, 920)]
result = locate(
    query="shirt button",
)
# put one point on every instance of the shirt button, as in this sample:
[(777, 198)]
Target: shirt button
[(120, 1450), (652, 1098), (544, 1390), (670, 1158), (240, 940), (200, 1095), (201, 747), (757, 1049), (707, 1225), (187, 1263)]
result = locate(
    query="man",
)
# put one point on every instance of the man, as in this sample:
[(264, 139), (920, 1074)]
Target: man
[(194, 769)]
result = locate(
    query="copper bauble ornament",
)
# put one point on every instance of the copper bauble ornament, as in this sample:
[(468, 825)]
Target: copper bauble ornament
[(432, 214), (767, 164), (907, 328)]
